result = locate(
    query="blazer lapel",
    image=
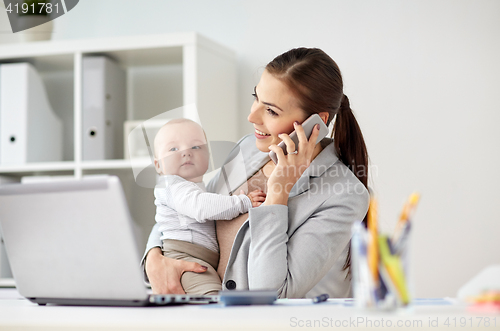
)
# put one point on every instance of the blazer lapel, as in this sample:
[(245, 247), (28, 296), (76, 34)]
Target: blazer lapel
[(243, 164), (325, 159)]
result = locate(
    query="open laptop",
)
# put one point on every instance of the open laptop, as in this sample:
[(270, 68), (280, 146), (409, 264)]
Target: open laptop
[(72, 243)]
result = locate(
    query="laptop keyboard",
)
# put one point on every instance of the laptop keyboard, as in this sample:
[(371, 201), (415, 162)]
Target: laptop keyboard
[(179, 299)]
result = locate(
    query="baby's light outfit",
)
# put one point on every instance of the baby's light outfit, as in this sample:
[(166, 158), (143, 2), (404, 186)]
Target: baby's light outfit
[(186, 213)]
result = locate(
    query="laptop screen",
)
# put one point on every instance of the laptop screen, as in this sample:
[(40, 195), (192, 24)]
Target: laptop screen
[(71, 239)]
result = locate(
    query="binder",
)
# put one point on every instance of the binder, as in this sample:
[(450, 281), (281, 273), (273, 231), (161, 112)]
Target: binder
[(29, 129), (104, 108)]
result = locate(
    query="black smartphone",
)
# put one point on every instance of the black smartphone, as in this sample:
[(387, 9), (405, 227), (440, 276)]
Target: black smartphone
[(308, 126)]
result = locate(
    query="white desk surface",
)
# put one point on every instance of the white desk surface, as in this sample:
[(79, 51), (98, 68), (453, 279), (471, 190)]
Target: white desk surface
[(17, 313)]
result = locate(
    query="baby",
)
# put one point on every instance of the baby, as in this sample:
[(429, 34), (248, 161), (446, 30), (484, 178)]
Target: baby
[(184, 210)]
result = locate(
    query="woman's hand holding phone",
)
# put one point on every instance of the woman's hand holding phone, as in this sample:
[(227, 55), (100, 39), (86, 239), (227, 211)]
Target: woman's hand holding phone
[(291, 166), (307, 127)]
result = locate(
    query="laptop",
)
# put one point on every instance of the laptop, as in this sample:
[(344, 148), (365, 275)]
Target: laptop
[(72, 243)]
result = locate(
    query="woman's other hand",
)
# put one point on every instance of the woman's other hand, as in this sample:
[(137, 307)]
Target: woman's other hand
[(165, 273), (291, 166), (257, 197)]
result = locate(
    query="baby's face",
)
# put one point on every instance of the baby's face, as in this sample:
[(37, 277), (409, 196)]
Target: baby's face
[(181, 149)]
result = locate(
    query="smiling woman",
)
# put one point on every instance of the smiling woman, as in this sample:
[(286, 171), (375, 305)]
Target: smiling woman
[(297, 241)]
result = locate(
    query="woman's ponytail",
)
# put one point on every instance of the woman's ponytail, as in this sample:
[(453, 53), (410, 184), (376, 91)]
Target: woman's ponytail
[(349, 143), (351, 149)]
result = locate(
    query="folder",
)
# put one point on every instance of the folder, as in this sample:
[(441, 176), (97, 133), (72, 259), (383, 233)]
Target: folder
[(104, 108), (29, 129)]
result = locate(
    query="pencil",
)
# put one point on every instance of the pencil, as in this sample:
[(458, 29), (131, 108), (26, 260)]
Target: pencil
[(406, 213), (409, 207), (373, 256), (394, 268)]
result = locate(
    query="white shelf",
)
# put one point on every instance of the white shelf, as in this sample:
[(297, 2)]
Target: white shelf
[(33, 167), (113, 45), (113, 164), (71, 166)]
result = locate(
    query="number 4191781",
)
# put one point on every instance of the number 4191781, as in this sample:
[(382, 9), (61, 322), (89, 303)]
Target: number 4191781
[(26, 7), (462, 321)]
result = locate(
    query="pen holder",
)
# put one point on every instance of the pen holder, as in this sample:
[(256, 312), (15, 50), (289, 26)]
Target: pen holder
[(381, 268)]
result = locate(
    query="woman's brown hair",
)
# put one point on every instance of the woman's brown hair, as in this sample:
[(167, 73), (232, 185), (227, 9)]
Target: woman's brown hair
[(316, 81)]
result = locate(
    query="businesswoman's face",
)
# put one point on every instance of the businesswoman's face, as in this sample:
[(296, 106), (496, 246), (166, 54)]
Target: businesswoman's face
[(274, 111)]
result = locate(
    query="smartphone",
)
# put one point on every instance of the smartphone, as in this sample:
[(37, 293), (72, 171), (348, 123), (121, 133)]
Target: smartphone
[(244, 298), (308, 126)]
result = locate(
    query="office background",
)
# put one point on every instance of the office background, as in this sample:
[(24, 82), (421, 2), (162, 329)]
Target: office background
[(423, 80)]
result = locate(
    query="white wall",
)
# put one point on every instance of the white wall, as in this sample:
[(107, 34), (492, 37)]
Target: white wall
[(423, 79)]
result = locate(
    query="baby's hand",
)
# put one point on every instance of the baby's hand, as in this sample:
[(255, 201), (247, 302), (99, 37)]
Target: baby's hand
[(257, 197)]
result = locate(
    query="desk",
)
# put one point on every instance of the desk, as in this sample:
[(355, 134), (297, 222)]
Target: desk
[(17, 313)]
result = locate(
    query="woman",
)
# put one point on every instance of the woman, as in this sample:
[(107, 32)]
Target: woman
[(297, 242)]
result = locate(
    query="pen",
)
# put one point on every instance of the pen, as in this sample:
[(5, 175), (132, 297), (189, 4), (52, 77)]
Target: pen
[(401, 243), (321, 298)]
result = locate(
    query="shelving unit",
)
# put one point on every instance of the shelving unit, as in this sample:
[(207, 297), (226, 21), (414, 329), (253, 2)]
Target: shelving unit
[(163, 72), (192, 68)]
